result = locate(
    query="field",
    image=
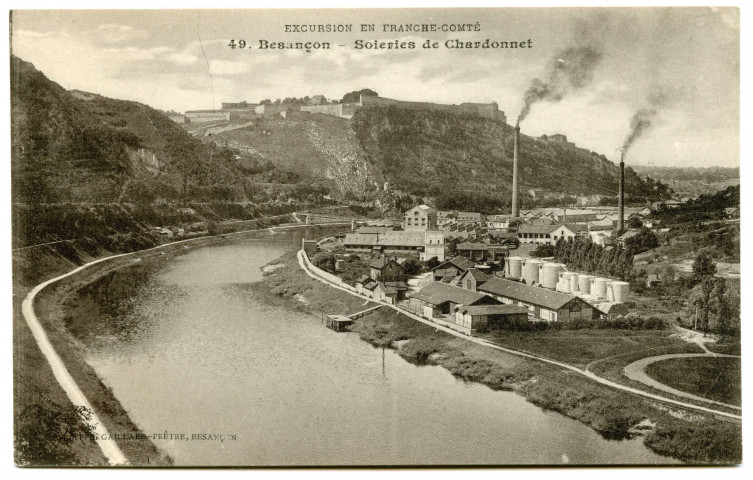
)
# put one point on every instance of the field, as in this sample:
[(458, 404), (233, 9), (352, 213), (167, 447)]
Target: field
[(582, 347), (713, 378)]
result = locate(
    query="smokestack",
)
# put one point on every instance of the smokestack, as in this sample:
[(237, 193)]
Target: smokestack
[(515, 172), (621, 200)]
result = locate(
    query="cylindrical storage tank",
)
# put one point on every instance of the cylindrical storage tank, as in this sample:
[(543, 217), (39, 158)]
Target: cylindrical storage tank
[(531, 270), (584, 283), (549, 274), (599, 288), (621, 291), (574, 286), (564, 285), (515, 267)]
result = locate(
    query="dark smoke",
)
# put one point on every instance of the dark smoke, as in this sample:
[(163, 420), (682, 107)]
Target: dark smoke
[(643, 119), (571, 69)]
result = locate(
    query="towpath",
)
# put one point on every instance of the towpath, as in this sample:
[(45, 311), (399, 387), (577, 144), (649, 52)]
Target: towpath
[(109, 447)]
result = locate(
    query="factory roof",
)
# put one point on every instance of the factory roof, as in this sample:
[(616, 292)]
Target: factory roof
[(460, 262), (477, 274), (393, 239), (479, 246), (537, 228), (437, 293), (373, 230), (525, 293), (392, 288), (381, 262), (491, 309)]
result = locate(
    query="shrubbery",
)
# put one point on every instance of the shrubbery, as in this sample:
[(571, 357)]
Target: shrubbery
[(626, 322)]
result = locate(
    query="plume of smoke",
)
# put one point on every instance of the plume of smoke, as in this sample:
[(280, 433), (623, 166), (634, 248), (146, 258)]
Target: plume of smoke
[(643, 118), (571, 69)]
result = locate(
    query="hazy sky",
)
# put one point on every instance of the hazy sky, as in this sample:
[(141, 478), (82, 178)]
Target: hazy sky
[(690, 55)]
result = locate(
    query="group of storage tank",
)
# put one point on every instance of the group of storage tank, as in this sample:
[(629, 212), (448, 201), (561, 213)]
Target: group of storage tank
[(596, 288), (554, 276)]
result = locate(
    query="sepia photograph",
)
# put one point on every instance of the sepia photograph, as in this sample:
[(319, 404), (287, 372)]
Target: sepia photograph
[(379, 237)]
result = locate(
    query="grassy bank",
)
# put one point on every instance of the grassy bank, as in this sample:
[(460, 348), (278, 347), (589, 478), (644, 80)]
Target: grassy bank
[(714, 378), (612, 413)]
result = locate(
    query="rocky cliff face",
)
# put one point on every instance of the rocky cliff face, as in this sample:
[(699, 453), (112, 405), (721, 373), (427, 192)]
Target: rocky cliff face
[(430, 152)]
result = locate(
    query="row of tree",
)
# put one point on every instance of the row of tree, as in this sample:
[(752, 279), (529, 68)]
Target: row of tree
[(709, 294), (584, 255)]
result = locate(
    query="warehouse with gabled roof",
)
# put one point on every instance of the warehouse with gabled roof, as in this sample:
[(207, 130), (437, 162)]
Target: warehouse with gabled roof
[(542, 303)]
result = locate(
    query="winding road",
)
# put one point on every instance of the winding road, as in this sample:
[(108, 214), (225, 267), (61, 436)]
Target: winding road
[(309, 269), (637, 371)]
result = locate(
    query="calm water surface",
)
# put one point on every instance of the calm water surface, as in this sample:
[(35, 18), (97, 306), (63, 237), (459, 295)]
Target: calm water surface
[(203, 353)]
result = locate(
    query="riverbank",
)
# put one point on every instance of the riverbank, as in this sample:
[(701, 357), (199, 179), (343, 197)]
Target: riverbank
[(34, 382), (671, 431)]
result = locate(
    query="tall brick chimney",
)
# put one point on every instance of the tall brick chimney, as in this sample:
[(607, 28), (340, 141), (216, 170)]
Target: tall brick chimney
[(621, 200), (515, 211)]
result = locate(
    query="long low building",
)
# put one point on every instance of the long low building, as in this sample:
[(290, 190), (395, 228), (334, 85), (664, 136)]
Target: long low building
[(542, 303), (423, 244)]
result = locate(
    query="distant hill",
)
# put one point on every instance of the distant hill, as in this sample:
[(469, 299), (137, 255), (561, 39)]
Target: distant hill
[(692, 181), (83, 147)]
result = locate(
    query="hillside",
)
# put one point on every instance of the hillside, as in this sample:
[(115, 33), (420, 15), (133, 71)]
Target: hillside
[(319, 146), (71, 146), (431, 152), (424, 153), (82, 147)]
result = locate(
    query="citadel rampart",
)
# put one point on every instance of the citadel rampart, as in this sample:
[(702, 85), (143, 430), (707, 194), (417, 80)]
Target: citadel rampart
[(486, 110)]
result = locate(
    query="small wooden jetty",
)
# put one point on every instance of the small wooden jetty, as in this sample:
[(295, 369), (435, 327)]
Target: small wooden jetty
[(338, 323)]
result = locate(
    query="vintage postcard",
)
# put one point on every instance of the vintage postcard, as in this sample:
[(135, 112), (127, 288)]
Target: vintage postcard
[(376, 237)]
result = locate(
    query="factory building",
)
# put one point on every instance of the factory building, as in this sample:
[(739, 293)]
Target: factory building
[(542, 304), (481, 252), (544, 234), (423, 245), (203, 116), (420, 218), (447, 304)]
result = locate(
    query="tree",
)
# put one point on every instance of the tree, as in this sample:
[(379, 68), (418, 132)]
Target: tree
[(634, 222), (45, 431), (412, 266), (355, 96), (325, 261), (703, 267), (544, 250), (700, 296), (643, 241), (721, 307)]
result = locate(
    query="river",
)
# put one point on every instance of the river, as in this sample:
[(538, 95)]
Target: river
[(202, 353)]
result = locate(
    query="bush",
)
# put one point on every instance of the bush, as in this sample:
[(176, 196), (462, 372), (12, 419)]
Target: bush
[(45, 432), (325, 260), (418, 350)]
